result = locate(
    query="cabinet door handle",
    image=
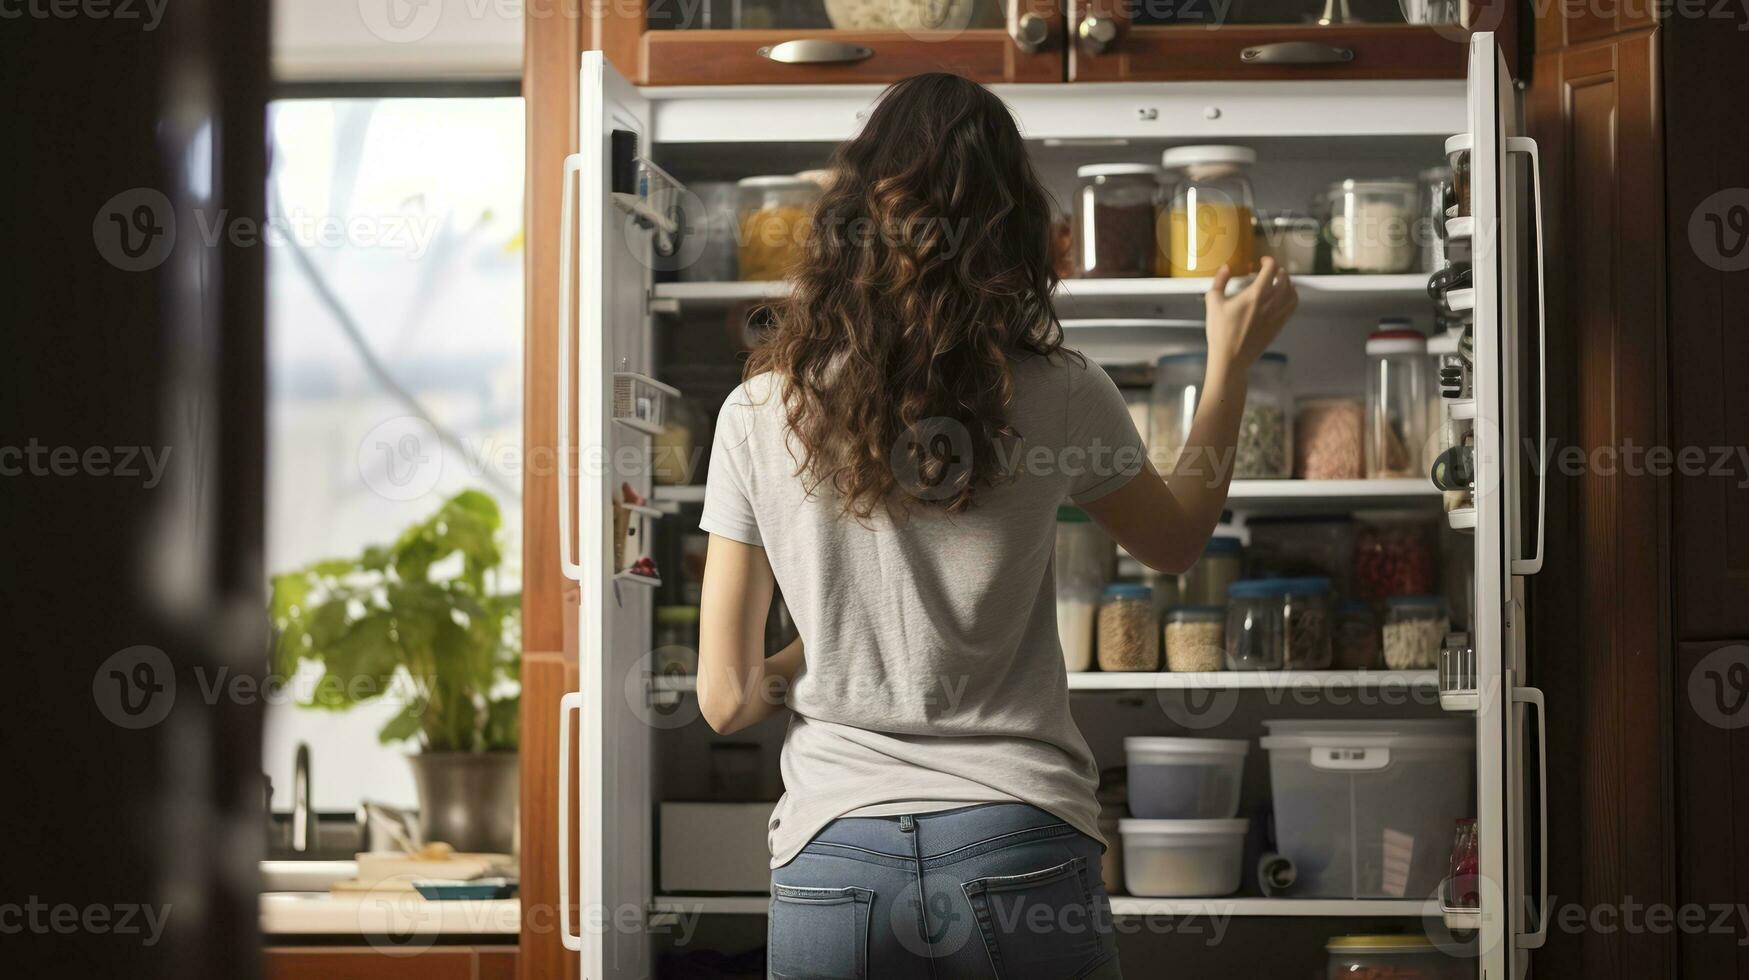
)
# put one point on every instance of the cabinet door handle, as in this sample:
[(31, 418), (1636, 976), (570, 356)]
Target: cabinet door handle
[(813, 51), (1296, 53), (1097, 33), (569, 705), (1030, 32)]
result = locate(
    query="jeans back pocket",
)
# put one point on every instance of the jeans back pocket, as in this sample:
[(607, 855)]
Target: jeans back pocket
[(819, 933), (1044, 924)]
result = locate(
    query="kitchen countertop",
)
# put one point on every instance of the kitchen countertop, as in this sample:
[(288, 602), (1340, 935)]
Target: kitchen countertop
[(386, 914)]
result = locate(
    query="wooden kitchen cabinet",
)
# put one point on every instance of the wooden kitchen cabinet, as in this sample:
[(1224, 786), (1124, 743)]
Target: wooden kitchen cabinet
[(1272, 40), (368, 963), (775, 42)]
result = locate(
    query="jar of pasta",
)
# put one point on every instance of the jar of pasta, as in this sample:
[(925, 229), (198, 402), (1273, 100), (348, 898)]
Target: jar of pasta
[(773, 225), (1207, 222)]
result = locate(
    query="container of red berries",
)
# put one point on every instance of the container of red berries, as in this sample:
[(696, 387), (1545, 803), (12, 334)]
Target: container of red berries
[(1395, 553)]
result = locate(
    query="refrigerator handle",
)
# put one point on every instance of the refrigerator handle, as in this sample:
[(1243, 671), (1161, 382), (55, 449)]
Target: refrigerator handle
[(569, 705), (1534, 697), (1534, 564), (572, 567)]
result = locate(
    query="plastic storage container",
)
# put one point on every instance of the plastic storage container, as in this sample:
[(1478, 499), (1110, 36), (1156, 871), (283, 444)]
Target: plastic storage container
[(1393, 958), (1083, 566), (1129, 638), (1114, 220), (1206, 582), (1185, 778), (1364, 809), (1372, 226), (1194, 638), (1265, 444), (1395, 554), (773, 225), (1182, 858), (1207, 221), (1316, 546), (1414, 628), (1397, 394), (1254, 625), (1279, 623), (1328, 439)]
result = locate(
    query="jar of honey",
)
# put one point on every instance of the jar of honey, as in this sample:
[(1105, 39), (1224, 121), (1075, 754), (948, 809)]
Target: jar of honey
[(1207, 222)]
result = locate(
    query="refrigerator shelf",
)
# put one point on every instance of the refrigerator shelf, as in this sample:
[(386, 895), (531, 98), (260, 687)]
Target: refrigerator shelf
[(1252, 495), (637, 579), (1120, 905), (1220, 680), (1085, 297)]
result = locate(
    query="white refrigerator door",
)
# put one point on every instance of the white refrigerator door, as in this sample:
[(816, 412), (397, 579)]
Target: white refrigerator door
[(1503, 266), (608, 779)]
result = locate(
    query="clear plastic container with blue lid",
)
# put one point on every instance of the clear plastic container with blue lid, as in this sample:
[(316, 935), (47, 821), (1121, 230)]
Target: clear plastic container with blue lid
[(1129, 637), (1279, 623)]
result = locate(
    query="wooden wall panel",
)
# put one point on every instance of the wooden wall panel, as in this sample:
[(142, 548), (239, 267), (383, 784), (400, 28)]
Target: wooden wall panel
[(553, 41), (1713, 798), (1600, 609), (1708, 68), (1707, 149)]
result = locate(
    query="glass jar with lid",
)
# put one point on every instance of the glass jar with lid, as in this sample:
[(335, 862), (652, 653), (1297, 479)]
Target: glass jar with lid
[(1207, 220), (1265, 445), (1277, 623), (1255, 633), (1414, 629), (1114, 220), (1193, 638), (773, 225), (1397, 396), (1129, 637), (1306, 617), (1372, 226)]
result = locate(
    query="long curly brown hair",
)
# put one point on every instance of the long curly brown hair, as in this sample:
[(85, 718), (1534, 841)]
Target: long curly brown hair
[(927, 271)]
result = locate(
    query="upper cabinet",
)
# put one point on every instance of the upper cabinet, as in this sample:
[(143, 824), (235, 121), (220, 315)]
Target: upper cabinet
[(1265, 40), (776, 42), (811, 42)]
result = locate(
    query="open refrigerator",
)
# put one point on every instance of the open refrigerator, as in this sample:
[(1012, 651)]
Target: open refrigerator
[(626, 214)]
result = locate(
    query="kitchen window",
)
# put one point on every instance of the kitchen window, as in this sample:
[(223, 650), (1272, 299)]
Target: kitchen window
[(394, 362)]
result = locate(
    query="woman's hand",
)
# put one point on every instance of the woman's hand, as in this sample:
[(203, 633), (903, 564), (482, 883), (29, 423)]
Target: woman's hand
[(1242, 326)]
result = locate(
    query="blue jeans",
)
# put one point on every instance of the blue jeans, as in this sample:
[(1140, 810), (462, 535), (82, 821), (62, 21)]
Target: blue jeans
[(999, 891)]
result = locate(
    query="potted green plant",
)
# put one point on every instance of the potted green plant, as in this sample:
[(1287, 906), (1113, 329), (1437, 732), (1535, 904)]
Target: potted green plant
[(422, 621)]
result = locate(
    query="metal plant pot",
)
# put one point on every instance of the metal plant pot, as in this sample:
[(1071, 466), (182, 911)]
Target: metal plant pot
[(468, 799)]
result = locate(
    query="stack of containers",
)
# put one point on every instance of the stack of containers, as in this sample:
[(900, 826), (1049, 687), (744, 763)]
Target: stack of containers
[(1184, 840)]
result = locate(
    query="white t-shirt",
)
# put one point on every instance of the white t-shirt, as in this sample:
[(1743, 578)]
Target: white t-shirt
[(933, 668)]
